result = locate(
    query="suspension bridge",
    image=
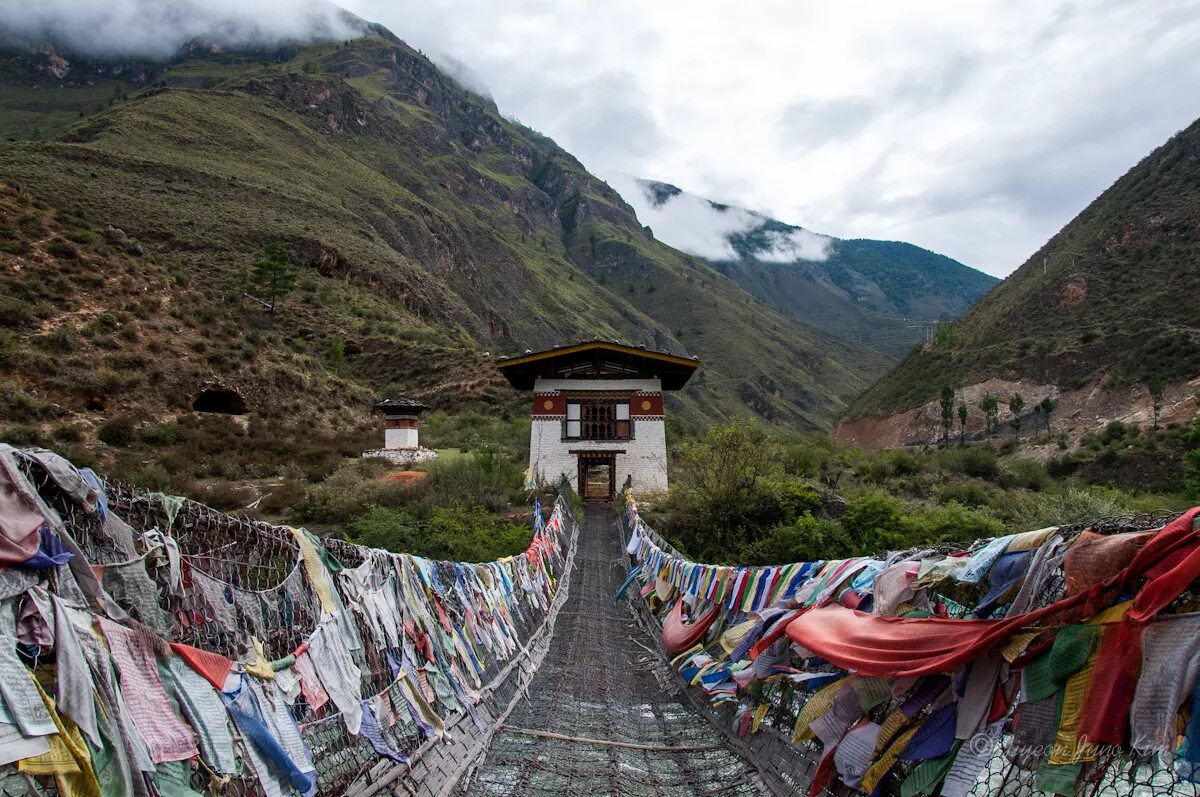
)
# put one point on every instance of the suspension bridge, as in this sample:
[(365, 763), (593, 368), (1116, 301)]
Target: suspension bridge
[(157, 647)]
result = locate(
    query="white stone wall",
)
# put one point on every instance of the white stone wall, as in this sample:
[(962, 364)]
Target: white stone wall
[(632, 385), (645, 457), (400, 438)]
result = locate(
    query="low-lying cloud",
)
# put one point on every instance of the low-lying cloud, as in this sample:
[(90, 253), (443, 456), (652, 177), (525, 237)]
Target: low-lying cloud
[(158, 28), (694, 225)]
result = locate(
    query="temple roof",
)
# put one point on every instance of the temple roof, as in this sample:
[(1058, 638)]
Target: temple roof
[(598, 359), (401, 405)]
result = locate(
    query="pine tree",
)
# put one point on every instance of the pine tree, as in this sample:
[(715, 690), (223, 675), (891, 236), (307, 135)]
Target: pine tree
[(991, 410), (271, 277), (1047, 406), (1016, 404), (947, 412), (962, 423), (1157, 388)]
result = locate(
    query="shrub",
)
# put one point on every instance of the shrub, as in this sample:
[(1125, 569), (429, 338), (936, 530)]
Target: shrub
[(971, 494), (807, 539), (456, 534), (1191, 474), (68, 433), (482, 478), (978, 462), (952, 523), (61, 340), (792, 498), (18, 405), (61, 249), (153, 477), (15, 313), (228, 496), (118, 431), (873, 522), (349, 491), (161, 434), (21, 435), (1025, 510), (1025, 474)]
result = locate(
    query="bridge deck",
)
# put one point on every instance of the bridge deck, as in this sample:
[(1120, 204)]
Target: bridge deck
[(599, 682)]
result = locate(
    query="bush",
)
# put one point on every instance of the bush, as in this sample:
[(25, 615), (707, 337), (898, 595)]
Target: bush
[(873, 523), (1025, 474), (118, 431), (1191, 474), (154, 477), (791, 499), (952, 523), (18, 405), (977, 462), (161, 434), (61, 249), (483, 478), (21, 435), (1024, 510), (454, 534), (68, 433), (807, 539), (349, 491), (970, 494)]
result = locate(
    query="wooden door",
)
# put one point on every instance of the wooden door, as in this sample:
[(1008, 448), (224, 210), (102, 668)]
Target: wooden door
[(596, 477)]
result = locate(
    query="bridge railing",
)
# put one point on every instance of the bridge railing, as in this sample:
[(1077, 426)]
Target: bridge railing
[(372, 672), (814, 723)]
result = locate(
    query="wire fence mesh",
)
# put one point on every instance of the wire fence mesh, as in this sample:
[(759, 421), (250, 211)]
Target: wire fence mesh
[(216, 582), (788, 766)]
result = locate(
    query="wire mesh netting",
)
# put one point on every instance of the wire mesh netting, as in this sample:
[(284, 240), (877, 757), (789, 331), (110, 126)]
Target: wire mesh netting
[(188, 574), (1011, 770), (602, 682)]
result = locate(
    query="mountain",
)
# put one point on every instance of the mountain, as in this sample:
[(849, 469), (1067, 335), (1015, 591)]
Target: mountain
[(431, 235), (884, 294), (1104, 310)]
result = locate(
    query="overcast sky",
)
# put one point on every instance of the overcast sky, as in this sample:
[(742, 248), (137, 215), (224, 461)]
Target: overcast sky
[(976, 129)]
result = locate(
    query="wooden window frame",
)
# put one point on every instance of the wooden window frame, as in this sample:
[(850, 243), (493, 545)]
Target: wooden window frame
[(598, 420)]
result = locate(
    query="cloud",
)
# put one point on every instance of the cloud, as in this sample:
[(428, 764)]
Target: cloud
[(974, 129), (695, 225), (793, 245), (158, 28)]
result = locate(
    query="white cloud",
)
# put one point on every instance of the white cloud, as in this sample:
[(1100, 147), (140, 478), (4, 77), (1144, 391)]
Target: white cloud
[(787, 247), (693, 225), (974, 129), (158, 28)]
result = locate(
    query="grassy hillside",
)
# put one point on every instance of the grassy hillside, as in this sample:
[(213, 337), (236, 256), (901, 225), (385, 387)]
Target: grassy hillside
[(431, 235), (1108, 299)]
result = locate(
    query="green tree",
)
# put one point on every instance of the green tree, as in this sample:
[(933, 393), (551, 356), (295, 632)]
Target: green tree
[(1047, 407), (721, 482), (962, 423), (1016, 404), (1157, 387), (991, 410), (947, 412), (272, 276)]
